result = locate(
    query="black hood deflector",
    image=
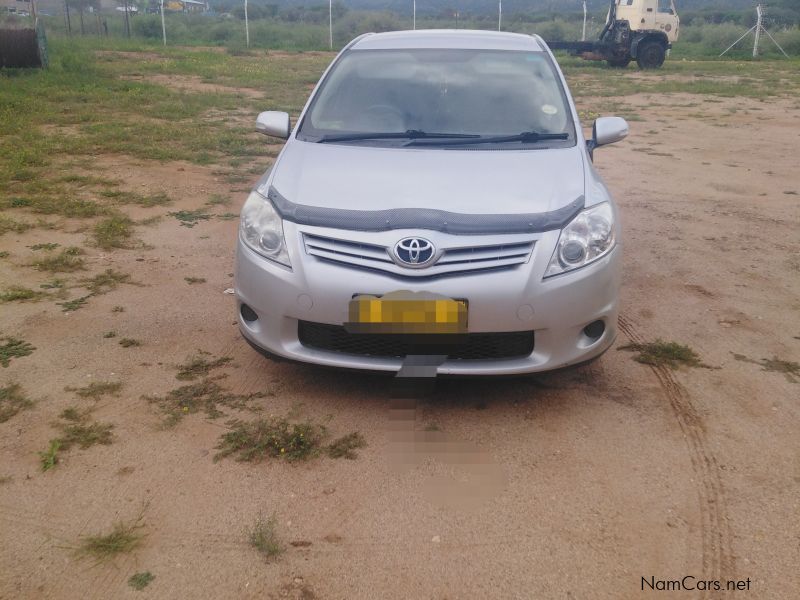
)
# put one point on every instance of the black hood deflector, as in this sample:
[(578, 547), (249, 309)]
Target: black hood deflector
[(424, 218)]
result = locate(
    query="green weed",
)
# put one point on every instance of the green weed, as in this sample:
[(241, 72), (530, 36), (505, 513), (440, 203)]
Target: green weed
[(200, 366), (48, 246), (190, 218), (129, 343), (49, 458), (66, 261), (790, 369), (264, 538), (139, 581), (278, 438), (20, 294), (12, 401), (193, 280), (206, 395), (345, 446), (670, 354), (14, 348), (104, 282), (123, 539), (8, 224), (97, 389), (74, 304), (113, 232)]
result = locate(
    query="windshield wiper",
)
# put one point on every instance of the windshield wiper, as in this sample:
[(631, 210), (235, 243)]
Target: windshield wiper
[(525, 137), (410, 134)]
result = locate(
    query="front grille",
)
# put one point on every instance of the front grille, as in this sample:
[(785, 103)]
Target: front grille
[(470, 346), (462, 259)]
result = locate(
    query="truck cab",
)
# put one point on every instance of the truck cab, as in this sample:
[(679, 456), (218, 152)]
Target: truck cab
[(650, 15)]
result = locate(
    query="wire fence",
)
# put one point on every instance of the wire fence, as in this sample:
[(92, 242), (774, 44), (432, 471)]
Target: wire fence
[(245, 25)]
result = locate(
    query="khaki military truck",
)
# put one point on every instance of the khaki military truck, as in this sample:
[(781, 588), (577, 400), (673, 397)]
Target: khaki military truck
[(641, 30)]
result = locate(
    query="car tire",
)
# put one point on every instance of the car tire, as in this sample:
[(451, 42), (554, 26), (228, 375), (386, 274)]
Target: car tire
[(651, 55)]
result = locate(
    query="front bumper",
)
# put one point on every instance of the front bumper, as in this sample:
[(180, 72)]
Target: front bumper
[(516, 299)]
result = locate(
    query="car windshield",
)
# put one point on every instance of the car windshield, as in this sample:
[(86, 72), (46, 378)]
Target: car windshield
[(425, 95)]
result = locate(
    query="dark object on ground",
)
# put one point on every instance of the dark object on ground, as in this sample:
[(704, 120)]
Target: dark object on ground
[(23, 48)]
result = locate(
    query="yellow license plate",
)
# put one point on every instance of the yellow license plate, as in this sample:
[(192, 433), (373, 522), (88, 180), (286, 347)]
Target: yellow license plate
[(407, 312)]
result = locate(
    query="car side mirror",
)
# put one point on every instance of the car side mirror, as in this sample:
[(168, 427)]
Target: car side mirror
[(608, 130), (274, 123)]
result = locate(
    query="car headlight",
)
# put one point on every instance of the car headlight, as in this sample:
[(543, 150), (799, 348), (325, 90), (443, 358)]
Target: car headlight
[(261, 228), (588, 237)]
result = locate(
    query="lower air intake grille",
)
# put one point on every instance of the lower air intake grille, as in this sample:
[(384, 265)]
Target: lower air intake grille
[(470, 346)]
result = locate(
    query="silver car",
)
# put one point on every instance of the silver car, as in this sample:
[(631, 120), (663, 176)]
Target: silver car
[(436, 197)]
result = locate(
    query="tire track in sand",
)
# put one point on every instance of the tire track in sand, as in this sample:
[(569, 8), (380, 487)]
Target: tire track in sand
[(717, 555)]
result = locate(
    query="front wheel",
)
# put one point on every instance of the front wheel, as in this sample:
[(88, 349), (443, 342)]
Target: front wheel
[(651, 55)]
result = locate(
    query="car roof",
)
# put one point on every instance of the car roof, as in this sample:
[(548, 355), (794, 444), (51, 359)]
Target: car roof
[(449, 38)]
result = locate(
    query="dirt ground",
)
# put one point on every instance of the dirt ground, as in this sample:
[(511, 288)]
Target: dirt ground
[(576, 484)]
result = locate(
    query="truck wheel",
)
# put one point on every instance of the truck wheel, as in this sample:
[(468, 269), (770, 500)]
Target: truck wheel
[(650, 55), (619, 63)]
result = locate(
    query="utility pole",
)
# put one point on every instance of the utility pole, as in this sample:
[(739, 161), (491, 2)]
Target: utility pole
[(583, 35), (163, 24), (415, 14), (66, 17), (127, 21), (246, 26), (758, 28), (330, 23), (499, 14)]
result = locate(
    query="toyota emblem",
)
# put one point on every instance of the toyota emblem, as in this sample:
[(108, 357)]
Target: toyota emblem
[(414, 252)]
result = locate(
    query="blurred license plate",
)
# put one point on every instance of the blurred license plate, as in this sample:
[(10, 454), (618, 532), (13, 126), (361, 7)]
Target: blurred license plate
[(406, 312)]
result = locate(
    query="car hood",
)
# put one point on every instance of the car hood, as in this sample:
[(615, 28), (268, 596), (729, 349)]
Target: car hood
[(357, 177)]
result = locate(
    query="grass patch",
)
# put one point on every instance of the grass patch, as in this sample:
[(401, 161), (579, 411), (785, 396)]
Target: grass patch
[(199, 366), (193, 280), (278, 438), (228, 216), (14, 348), (218, 200), (264, 538), (145, 201), (8, 224), (118, 309), (661, 353), (103, 283), (76, 429), (48, 247), (97, 389), (123, 539), (12, 401), (20, 294), (113, 232), (74, 304), (139, 581), (190, 218), (66, 261), (129, 343), (790, 369), (345, 446), (53, 284), (110, 334), (207, 396)]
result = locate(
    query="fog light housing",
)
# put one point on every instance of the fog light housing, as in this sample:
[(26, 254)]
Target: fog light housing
[(248, 314), (594, 330)]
